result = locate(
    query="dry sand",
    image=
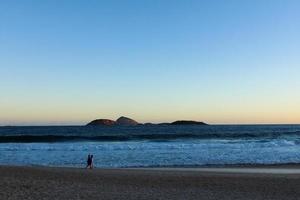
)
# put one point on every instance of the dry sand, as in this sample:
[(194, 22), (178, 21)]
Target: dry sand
[(65, 183)]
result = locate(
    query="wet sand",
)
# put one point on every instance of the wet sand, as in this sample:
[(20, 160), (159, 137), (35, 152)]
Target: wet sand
[(204, 183)]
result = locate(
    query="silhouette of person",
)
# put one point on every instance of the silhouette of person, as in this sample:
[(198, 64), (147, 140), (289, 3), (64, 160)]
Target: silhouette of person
[(89, 161)]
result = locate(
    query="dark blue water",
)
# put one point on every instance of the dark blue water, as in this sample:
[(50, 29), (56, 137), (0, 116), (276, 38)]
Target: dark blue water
[(150, 145)]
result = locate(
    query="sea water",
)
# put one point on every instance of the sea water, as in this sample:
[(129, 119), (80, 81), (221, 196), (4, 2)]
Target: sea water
[(150, 146)]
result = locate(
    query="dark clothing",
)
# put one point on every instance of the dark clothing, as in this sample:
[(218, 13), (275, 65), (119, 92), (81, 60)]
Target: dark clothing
[(89, 161)]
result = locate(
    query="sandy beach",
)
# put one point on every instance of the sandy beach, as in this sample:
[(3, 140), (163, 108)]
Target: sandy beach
[(193, 183)]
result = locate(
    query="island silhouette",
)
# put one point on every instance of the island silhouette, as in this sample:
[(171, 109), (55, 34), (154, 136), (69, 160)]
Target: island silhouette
[(126, 121)]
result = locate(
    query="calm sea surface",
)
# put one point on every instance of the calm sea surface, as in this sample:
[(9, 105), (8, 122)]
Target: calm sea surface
[(150, 146)]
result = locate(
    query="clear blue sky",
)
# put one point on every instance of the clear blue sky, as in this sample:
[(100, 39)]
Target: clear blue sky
[(219, 61)]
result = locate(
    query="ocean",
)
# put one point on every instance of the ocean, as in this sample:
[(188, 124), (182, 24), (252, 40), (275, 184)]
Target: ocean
[(150, 146)]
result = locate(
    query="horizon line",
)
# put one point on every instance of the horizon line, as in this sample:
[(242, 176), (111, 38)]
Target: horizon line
[(212, 124)]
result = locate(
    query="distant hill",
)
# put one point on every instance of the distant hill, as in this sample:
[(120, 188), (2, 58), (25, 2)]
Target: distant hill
[(102, 122), (122, 121), (125, 121), (188, 122)]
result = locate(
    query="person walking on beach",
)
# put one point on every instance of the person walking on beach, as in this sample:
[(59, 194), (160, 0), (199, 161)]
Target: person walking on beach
[(89, 162)]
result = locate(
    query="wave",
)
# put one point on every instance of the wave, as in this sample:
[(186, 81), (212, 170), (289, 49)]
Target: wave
[(152, 133), (154, 137), (57, 138)]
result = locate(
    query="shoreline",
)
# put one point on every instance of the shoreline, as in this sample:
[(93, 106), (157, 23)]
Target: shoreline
[(216, 166), (278, 169)]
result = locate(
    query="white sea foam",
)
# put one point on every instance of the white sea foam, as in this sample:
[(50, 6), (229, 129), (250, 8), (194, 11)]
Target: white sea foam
[(143, 153)]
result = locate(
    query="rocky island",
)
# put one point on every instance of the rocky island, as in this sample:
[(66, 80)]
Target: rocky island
[(102, 122), (122, 121), (125, 121), (188, 122)]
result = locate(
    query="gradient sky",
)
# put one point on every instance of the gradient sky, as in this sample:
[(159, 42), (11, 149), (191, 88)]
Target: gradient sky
[(218, 61)]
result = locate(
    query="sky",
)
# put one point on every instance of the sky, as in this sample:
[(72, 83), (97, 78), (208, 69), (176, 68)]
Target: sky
[(219, 61)]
